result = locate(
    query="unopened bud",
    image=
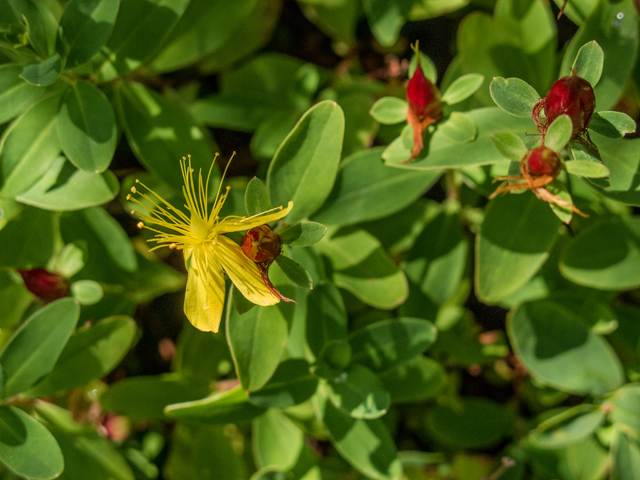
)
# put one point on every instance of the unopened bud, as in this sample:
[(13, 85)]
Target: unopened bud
[(572, 96), (542, 161), (261, 244), (45, 285)]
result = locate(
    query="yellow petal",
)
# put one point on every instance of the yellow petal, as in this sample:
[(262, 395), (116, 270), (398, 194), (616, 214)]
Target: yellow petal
[(237, 225), (204, 297), (243, 273)]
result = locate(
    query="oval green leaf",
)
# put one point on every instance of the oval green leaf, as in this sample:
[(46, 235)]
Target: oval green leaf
[(43, 73), (612, 124), (462, 88), (558, 133), (305, 165), (589, 62), (294, 272), (559, 350), (567, 427), (16, 95), (359, 393), (87, 127), (514, 96), (303, 234), (586, 168), (256, 197), (509, 145), (390, 110), (416, 380), (291, 384), (326, 318)]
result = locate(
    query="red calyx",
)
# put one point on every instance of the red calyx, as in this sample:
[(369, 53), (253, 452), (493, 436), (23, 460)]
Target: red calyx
[(542, 161), (45, 285), (261, 244), (572, 96)]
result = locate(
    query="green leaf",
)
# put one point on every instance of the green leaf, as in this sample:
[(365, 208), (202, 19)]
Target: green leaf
[(606, 255), (203, 28), (612, 124), (87, 292), (514, 96), (567, 427), (440, 152), (277, 441), (558, 133), (359, 393), (14, 297), (25, 16), (509, 145), (474, 423), (231, 406), (256, 197), (291, 384), (85, 27), (29, 147), (415, 380), (27, 251), (161, 133), (383, 345), (390, 110), (589, 62), (462, 88), (34, 348), (147, 396), (559, 350), (516, 236), (16, 95), (91, 353), (564, 214), (303, 234), (199, 449), (626, 456), (366, 189), (365, 444), (87, 127), (386, 19), (458, 128), (64, 188), (294, 272), (625, 408), (141, 28), (43, 73), (257, 340), (241, 304), (201, 356), (27, 447), (326, 318), (305, 165), (86, 453), (361, 266), (615, 29), (428, 67), (585, 168)]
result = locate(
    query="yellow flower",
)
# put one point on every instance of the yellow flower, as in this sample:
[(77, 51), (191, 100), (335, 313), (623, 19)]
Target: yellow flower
[(207, 252)]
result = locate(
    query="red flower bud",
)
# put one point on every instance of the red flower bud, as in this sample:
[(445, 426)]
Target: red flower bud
[(572, 96), (45, 285), (423, 96), (261, 244), (542, 161)]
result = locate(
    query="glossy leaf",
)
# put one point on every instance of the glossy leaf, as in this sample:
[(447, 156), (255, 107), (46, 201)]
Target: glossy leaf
[(366, 189), (567, 427), (359, 393), (291, 384), (294, 272), (34, 348), (384, 345), (14, 297), (305, 165), (303, 234), (624, 408), (85, 27), (144, 397), (514, 96), (87, 127), (27, 447), (256, 197), (43, 73), (390, 110), (558, 349), (362, 267), (462, 88), (161, 133), (91, 353), (589, 62), (277, 440), (584, 168), (583, 262), (386, 19), (86, 292), (615, 29), (365, 444), (16, 95), (64, 188), (326, 318), (29, 147), (231, 406), (509, 145), (564, 213), (415, 380), (612, 124), (27, 251), (626, 456), (558, 133), (516, 236)]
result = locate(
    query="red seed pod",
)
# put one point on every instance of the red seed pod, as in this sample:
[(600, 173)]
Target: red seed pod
[(542, 161), (261, 244), (423, 96), (45, 285), (572, 96)]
